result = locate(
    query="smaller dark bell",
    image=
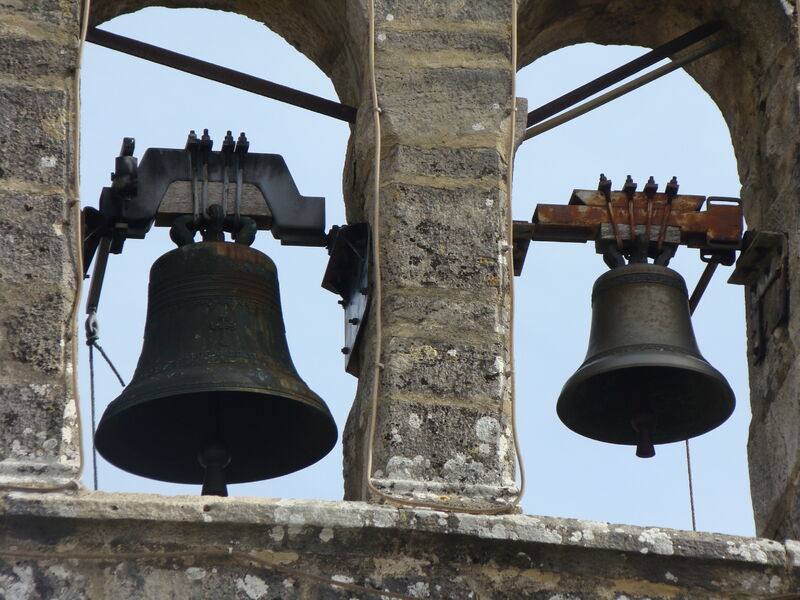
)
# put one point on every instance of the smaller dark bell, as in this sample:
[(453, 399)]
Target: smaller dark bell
[(643, 381)]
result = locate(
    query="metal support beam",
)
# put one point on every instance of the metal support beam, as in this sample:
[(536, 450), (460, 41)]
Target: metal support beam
[(627, 87), (220, 74), (596, 85)]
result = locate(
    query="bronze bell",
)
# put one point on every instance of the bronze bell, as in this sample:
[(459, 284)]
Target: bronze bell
[(643, 381), (215, 398)]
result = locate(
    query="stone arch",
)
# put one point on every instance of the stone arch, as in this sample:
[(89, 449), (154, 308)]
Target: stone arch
[(751, 80), (753, 83), (322, 30)]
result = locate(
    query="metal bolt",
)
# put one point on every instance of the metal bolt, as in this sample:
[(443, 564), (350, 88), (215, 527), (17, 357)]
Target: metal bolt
[(651, 187), (354, 321), (345, 350), (630, 187)]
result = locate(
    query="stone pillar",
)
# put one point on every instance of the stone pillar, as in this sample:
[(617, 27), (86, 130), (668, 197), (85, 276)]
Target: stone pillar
[(773, 317), (443, 428), (39, 252)]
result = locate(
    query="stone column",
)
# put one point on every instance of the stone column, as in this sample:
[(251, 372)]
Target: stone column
[(443, 428), (39, 253), (771, 187)]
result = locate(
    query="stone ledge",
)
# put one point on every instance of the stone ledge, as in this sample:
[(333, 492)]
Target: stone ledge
[(424, 553), (103, 506)]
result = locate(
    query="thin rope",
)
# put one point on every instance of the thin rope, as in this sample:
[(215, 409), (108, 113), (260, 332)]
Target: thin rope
[(378, 292), (212, 554), (691, 487), (697, 294), (108, 360), (92, 335), (94, 412)]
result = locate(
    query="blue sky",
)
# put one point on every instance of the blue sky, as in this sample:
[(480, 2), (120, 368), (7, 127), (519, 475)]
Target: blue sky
[(671, 127)]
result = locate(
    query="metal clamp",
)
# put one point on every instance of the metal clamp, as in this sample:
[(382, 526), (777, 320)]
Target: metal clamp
[(347, 275), (641, 225), (763, 267), (130, 206)]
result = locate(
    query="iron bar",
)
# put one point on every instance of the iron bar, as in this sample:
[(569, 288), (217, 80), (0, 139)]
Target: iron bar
[(626, 87), (98, 275), (702, 284), (642, 62), (221, 74)]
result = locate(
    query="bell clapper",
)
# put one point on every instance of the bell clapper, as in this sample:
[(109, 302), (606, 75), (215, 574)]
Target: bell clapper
[(643, 421), (214, 458)]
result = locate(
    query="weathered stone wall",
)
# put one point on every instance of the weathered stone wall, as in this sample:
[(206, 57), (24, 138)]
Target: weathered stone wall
[(754, 84), (39, 255), (443, 72)]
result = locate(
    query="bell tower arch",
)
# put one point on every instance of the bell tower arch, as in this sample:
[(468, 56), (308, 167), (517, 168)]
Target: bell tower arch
[(753, 83)]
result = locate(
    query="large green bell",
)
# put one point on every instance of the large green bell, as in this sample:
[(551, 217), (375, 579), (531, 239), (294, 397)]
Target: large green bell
[(215, 398), (643, 381)]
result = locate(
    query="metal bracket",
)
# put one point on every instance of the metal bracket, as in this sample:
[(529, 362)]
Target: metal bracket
[(347, 274), (133, 203), (763, 267), (602, 216)]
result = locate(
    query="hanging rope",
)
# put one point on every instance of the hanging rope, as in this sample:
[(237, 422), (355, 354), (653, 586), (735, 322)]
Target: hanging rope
[(697, 294), (92, 335), (108, 360), (691, 487), (94, 412)]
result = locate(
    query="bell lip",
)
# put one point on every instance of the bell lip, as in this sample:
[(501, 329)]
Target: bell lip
[(608, 364), (106, 429)]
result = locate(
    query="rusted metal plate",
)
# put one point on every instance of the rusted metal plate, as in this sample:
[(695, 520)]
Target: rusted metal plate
[(681, 203), (718, 225), (717, 228)]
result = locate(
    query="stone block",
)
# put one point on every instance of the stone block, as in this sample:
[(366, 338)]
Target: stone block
[(443, 443), (33, 134), (34, 326), (456, 369), (33, 246), (456, 10), (480, 44), (773, 455), (450, 315), (60, 12), (39, 427), (437, 106), (445, 162), (438, 237), (25, 57)]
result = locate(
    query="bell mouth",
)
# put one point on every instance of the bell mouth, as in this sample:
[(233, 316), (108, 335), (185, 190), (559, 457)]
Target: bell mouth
[(161, 438), (684, 394)]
